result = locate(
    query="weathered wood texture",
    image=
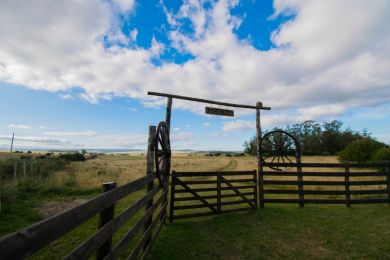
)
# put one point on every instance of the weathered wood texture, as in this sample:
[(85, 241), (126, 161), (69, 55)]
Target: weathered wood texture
[(25, 242), (219, 111), (344, 184), (205, 100), (241, 186), (105, 216)]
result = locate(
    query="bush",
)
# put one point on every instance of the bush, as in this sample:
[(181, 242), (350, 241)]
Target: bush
[(382, 154), (73, 157), (360, 150), (6, 167)]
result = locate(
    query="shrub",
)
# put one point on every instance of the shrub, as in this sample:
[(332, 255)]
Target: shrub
[(360, 150), (382, 154), (73, 157)]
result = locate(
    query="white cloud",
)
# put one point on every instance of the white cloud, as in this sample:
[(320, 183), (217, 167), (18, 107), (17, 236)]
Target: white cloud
[(133, 35), (207, 124), (132, 109), (35, 142), (333, 56), (66, 96), (238, 125), (72, 134), (181, 136), (20, 126)]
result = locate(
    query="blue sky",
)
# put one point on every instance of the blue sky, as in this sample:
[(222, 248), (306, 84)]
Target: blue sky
[(69, 80)]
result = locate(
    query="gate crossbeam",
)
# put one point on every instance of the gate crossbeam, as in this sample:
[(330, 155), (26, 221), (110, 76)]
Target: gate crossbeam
[(196, 195), (228, 183)]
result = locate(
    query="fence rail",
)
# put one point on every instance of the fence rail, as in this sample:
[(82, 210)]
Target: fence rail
[(26, 241), (217, 197), (351, 183)]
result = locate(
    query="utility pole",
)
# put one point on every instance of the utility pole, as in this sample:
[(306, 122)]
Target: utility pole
[(12, 145)]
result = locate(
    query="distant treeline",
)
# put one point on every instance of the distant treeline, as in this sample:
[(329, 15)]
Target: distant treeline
[(315, 138)]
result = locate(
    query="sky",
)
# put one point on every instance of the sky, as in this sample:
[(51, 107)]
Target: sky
[(75, 74)]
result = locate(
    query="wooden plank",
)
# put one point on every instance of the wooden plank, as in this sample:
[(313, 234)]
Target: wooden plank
[(329, 165), (347, 189), (237, 191), (255, 191), (307, 201), (172, 202), (145, 237), (219, 111), (168, 113), (205, 100), (300, 184), (89, 246), (147, 250), (306, 192), (215, 189), (106, 216), (28, 240), (197, 206), (357, 183), (219, 193), (121, 245), (326, 174), (319, 183), (366, 192), (212, 196), (206, 174), (369, 201), (150, 171), (388, 183), (196, 195), (214, 181)]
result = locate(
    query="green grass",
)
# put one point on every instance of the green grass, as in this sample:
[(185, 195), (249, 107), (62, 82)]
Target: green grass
[(280, 232)]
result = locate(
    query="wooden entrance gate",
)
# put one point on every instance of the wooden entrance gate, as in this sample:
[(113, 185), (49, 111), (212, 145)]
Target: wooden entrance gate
[(212, 193)]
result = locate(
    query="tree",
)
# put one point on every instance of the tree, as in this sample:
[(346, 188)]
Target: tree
[(250, 147), (327, 138), (361, 150)]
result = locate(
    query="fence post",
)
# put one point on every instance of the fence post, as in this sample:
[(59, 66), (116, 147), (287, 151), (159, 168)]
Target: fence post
[(387, 170), (347, 185), (300, 184), (15, 171), (105, 216), (259, 156), (150, 171), (172, 202), (255, 189), (219, 193)]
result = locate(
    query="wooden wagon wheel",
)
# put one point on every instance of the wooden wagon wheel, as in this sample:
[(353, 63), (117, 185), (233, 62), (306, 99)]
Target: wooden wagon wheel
[(278, 147), (162, 153)]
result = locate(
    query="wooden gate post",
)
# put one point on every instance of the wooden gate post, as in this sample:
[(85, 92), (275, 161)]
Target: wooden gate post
[(347, 184), (300, 180), (168, 113), (387, 169), (105, 216), (219, 207), (150, 171), (259, 155)]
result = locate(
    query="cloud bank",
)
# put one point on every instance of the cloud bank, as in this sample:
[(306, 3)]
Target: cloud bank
[(331, 57)]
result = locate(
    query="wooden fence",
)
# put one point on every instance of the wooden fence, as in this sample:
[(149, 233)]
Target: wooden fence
[(330, 183), (212, 192), (29, 240)]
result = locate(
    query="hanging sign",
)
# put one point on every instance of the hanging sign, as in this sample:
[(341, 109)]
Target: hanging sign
[(219, 111)]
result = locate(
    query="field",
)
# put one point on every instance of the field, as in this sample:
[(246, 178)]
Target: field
[(278, 231)]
